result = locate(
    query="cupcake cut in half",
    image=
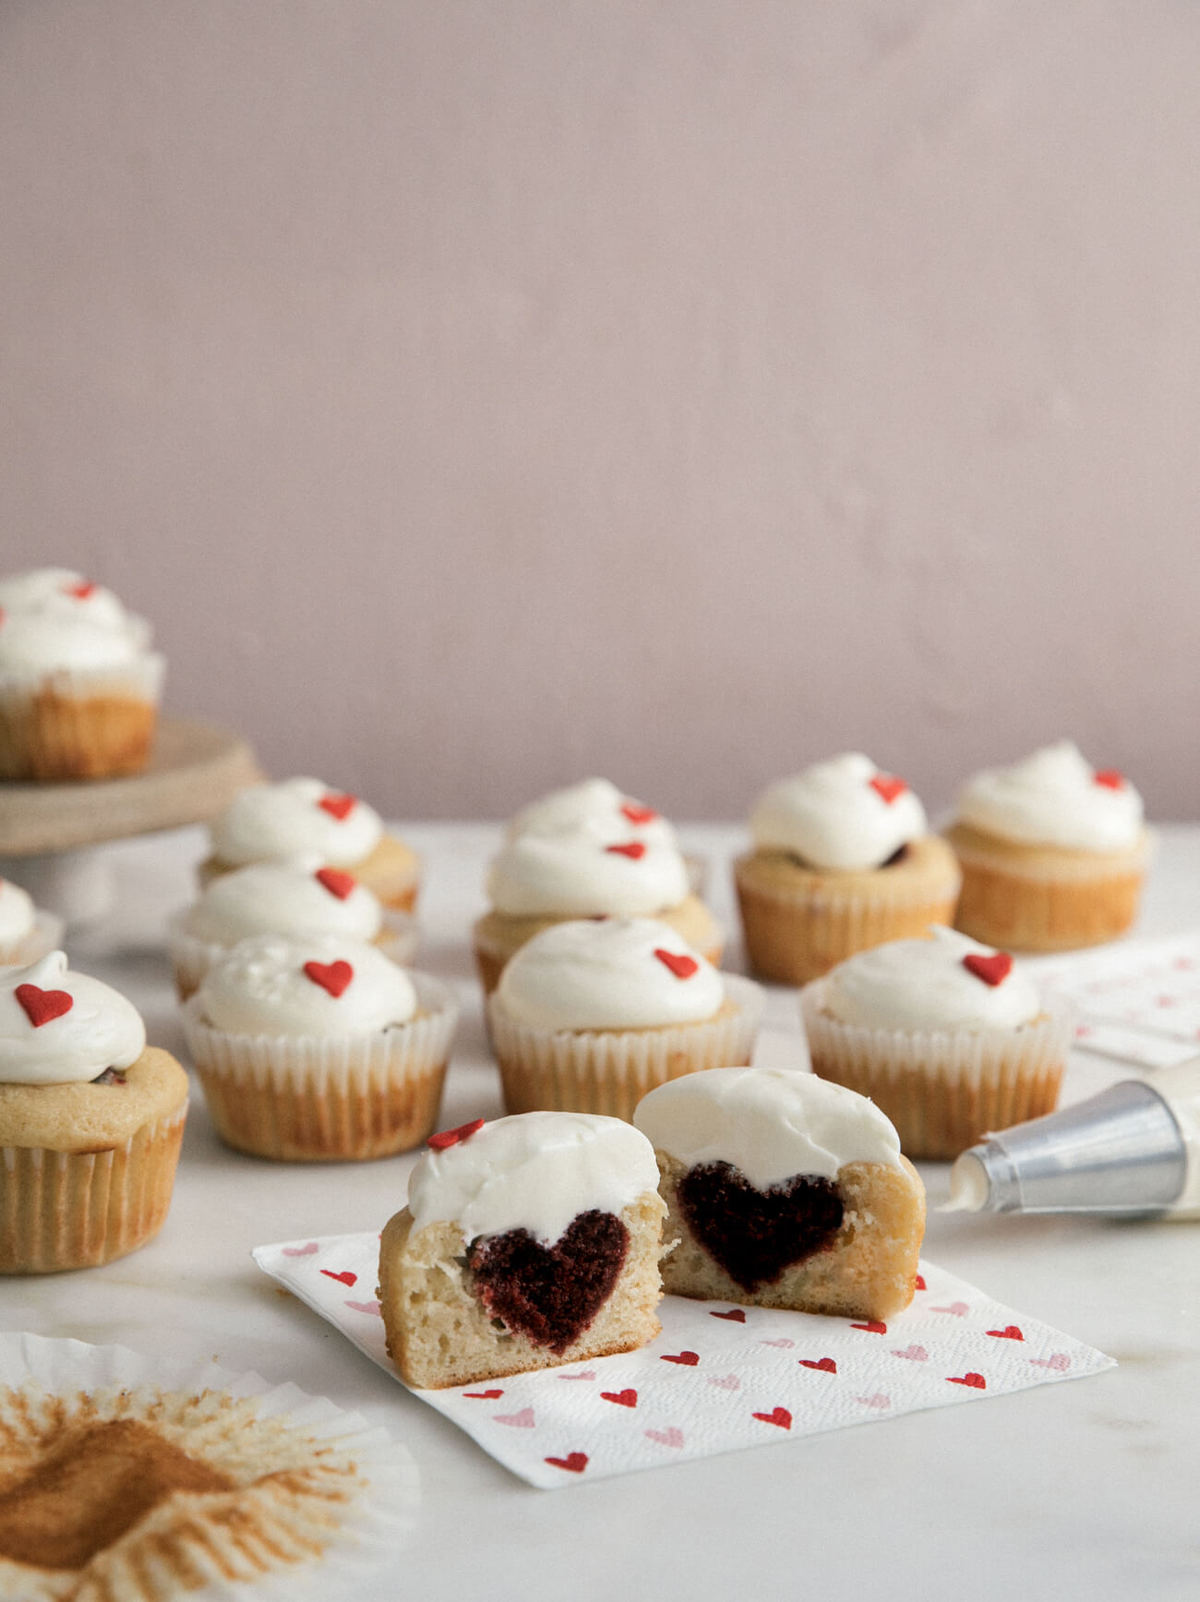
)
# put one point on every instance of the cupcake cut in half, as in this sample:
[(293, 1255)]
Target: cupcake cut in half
[(784, 1191), (91, 1121), (590, 1014), (946, 1035), (527, 1242), (1053, 852), (843, 860)]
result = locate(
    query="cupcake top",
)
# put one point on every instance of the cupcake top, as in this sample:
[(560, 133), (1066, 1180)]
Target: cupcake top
[(294, 896), (535, 1171), (326, 985), (58, 1027), (944, 982), (593, 803), (17, 913), (1055, 798), (620, 973), (771, 1123), (586, 872), (296, 815), (53, 618), (841, 815)]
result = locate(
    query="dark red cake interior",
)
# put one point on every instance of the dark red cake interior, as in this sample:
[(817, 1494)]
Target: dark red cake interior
[(551, 1293), (755, 1234)]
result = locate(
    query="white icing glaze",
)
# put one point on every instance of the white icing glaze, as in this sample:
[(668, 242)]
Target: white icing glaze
[(831, 816), (535, 1171), (261, 988), (1052, 798), (580, 873), (605, 975), (17, 914), (771, 1123), (280, 897), (923, 984), (279, 820), (592, 803), (100, 1030)]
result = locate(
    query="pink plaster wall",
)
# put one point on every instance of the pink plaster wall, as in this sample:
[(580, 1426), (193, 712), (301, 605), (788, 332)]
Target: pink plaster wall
[(480, 393)]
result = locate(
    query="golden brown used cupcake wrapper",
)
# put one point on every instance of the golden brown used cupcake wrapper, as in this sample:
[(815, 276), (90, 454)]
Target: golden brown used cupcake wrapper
[(191, 959), (609, 1071), (76, 724), (944, 1089)]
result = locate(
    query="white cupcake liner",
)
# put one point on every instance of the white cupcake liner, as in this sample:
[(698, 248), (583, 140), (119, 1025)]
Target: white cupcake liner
[(45, 936), (368, 1529), (191, 958), (609, 1071)]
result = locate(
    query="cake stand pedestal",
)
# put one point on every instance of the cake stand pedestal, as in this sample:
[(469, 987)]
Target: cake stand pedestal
[(52, 835)]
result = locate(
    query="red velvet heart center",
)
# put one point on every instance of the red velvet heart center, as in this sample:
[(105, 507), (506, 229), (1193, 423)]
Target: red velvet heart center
[(337, 881), (446, 1138), (682, 967), (634, 849), (887, 786), (338, 806), (755, 1234), (551, 1293), (41, 1006), (331, 976), (1110, 778), (993, 970), (638, 815)]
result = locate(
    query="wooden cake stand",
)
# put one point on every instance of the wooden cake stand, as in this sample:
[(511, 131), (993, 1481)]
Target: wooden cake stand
[(50, 834)]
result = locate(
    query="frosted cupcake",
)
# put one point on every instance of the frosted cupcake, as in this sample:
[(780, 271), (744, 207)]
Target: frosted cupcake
[(319, 1049), (306, 817), (26, 932), (79, 684), (589, 1015), (1053, 852), (843, 860), (944, 1034), (595, 869), (91, 1120), (296, 896)]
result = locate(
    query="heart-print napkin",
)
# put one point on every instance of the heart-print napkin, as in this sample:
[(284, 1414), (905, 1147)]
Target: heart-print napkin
[(717, 1379), (1138, 1001)]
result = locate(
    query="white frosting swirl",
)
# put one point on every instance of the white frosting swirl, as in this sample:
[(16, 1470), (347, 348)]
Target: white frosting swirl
[(45, 642), (262, 988), (833, 817), (17, 914), (771, 1123), (534, 1171), (282, 897), (279, 820), (586, 872), (593, 803), (67, 595), (924, 984), (1054, 798), (99, 1030), (607, 975)]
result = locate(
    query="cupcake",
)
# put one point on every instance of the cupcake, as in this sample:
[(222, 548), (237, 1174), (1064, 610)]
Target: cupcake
[(590, 1015), (842, 861), (79, 685), (784, 1190), (944, 1034), (1053, 853), (297, 896), (319, 1049), (91, 1120), (526, 1243), (26, 932), (599, 867), (268, 821)]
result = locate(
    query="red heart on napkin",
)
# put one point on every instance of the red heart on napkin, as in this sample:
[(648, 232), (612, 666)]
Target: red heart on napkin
[(1010, 1332), (574, 1462), (975, 1381), (626, 1398), (779, 1415), (688, 1359), (41, 1006), (682, 967), (344, 1276), (872, 1328), (331, 976), (483, 1396), (736, 1315), (993, 970), (825, 1365)]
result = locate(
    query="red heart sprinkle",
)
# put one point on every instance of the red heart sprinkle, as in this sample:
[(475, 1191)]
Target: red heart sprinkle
[(638, 815), (345, 1277), (626, 1398), (1110, 778), (331, 976), (874, 1327), (779, 1415), (919, 1282), (338, 806), (82, 590), (975, 1381), (337, 881), (40, 1006), (681, 967), (1010, 1332), (736, 1315), (887, 786), (825, 1364), (635, 850), (574, 1462), (688, 1359), (451, 1137), (993, 970), (483, 1396)]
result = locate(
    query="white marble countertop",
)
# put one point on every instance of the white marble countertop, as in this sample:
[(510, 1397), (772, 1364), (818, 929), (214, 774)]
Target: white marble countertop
[(1078, 1490)]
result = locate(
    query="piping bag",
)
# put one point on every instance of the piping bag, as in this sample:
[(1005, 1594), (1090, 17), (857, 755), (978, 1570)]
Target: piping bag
[(1133, 1149)]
